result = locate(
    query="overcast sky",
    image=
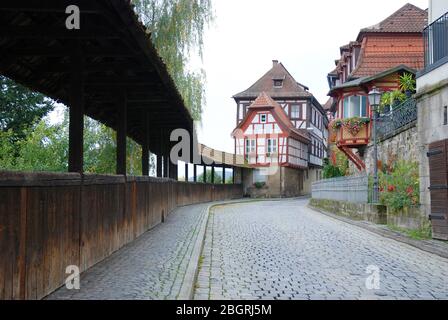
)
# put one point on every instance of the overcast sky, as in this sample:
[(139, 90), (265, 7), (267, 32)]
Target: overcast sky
[(304, 35)]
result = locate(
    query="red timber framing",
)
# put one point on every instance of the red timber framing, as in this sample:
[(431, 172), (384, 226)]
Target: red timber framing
[(384, 81), (266, 136)]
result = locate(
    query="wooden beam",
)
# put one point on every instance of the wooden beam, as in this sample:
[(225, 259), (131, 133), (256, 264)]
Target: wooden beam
[(213, 174), (117, 66), (145, 148), (86, 6), (195, 173), (39, 32), (186, 172), (76, 113), (58, 51), (121, 133)]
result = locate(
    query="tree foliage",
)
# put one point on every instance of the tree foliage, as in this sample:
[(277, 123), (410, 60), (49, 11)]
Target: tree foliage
[(29, 142), (45, 148), (177, 28), (20, 108)]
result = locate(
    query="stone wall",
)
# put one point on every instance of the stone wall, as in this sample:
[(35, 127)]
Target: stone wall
[(356, 211), (431, 128), (283, 183), (403, 145)]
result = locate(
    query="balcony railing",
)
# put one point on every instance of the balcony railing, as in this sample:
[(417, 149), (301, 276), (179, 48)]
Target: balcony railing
[(398, 118), (436, 41)]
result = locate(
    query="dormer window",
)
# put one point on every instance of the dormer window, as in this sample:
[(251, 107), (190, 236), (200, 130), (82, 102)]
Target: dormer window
[(278, 83)]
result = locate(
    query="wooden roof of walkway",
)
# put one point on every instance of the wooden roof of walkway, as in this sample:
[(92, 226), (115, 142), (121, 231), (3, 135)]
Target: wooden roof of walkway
[(108, 69)]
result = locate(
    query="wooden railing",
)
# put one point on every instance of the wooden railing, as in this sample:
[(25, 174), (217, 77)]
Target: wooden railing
[(51, 221)]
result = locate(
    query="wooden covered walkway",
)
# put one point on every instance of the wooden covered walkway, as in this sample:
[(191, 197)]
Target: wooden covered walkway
[(109, 71)]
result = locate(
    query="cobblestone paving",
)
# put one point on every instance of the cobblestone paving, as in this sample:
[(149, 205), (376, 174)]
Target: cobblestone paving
[(152, 267), (283, 250)]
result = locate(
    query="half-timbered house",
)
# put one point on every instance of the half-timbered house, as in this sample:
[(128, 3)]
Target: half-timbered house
[(281, 130), (378, 57)]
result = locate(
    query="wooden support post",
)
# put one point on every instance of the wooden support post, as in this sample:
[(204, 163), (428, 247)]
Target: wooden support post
[(165, 166), (159, 166), (76, 126), (173, 169), (195, 173), (121, 133), (186, 172), (213, 174), (205, 174), (223, 174), (165, 155), (145, 149), (233, 175)]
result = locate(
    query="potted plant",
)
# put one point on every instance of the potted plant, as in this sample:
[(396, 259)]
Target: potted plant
[(337, 124), (397, 97), (259, 185), (385, 103), (407, 84)]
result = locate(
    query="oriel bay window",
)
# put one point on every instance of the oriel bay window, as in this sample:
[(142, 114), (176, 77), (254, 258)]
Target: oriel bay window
[(355, 106)]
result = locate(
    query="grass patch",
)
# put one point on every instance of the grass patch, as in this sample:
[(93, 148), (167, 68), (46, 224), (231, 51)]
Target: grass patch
[(416, 234)]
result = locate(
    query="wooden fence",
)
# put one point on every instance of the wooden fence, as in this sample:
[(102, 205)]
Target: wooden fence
[(51, 221)]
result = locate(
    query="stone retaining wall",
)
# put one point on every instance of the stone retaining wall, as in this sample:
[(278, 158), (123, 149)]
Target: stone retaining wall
[(357, 211), (408, 218)]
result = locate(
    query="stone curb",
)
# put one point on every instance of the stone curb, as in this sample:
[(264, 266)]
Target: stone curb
[(187, 289), (423, 245)]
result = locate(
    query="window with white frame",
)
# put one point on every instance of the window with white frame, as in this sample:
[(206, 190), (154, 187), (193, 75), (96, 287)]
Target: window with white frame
[(355, 106), (263, 118), (272, 146), (295, 111), (250, 146)]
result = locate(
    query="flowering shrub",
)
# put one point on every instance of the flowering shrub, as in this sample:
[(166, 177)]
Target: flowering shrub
[(355, 124), (399, 186), (337, 123)]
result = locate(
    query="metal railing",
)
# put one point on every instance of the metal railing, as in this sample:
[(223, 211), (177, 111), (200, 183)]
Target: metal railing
[(349, 189), (436, 40), (399, 117)]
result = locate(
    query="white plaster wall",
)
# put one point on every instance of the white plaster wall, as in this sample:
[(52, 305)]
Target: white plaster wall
[(432, 78)]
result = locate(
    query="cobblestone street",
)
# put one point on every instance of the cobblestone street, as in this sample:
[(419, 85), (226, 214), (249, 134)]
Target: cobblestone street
[(263, 250), (283, 250), (152, 267)]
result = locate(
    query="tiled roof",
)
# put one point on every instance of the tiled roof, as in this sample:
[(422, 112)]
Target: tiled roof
[(264, 101), (408, 19), (367, 79), (379, 53), (291, 88), (327, 106)]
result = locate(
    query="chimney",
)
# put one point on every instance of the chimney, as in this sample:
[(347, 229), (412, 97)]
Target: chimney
[(274, 63)]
